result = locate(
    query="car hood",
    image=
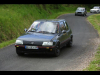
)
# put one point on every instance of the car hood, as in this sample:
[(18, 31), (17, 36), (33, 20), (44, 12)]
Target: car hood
[(36, 37), (94, 9)]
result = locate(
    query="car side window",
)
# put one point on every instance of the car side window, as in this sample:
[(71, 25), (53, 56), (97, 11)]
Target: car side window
[(66, 25), (62, 26)]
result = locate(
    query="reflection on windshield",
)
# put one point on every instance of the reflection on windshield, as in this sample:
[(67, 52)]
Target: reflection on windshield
[(44, 27), (81, 9)]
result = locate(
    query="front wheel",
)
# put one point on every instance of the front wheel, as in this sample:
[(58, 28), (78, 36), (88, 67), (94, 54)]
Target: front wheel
[(19, 53), (97, 12), (57, 51), (84, 14)]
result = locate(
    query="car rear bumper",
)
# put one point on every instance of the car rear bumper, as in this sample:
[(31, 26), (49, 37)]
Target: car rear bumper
[(41, 49)]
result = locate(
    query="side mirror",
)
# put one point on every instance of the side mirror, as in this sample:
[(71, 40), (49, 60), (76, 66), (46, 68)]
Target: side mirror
[(63, 31), (25, 30)]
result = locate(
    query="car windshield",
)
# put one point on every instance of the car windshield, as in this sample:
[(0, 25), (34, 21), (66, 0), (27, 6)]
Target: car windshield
[(44, 27), (95, 7), (81, 9)]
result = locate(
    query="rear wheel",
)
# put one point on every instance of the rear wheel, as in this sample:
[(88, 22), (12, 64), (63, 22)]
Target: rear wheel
[(70, 43)]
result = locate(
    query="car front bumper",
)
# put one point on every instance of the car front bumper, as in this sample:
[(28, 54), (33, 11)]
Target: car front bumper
[(41, 49), (93, 11), (79, 13)]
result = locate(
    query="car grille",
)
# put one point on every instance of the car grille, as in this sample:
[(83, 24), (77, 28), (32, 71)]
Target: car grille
[(33, 43), (79, 12)]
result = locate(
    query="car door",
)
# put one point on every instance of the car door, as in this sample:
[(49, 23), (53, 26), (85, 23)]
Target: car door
[(64, 33), (68, 31)]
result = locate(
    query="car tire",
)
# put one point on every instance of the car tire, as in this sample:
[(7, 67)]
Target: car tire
[(57, 51), (19, 53), (83, 14), (97, 12), (70, 43)]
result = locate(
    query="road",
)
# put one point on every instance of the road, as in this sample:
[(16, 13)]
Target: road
[(77, 58)]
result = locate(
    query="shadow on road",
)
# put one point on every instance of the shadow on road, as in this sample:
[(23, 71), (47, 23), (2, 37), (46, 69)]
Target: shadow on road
[(64, 51)]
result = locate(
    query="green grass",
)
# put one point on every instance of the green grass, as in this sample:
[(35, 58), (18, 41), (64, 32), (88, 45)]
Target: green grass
[(6, 43), (95, 21), (95, 63)]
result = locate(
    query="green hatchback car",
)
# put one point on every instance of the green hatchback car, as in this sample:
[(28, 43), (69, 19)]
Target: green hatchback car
[(45, 36)]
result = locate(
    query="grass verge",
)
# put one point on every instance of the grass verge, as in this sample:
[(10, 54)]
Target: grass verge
[(6, 43), (95, 63)]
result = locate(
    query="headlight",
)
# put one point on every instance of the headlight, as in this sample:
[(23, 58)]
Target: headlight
[(19, 42), (47, 43)]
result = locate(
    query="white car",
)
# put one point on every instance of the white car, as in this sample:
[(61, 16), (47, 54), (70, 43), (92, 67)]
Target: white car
[(81, 11), (95, 9)]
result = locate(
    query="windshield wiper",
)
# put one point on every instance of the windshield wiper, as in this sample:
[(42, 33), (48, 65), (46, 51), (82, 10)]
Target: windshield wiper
[(43, 32), (32, 31), (52, 33), (48, 32)]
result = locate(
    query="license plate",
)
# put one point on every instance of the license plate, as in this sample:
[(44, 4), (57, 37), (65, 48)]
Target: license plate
[(31, 47)]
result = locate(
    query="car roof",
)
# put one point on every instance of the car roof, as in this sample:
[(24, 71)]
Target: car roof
[(96, 6), (50, 20), (81, 7)]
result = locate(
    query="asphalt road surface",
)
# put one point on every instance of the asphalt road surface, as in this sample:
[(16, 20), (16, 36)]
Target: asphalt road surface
[(85, 42)]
